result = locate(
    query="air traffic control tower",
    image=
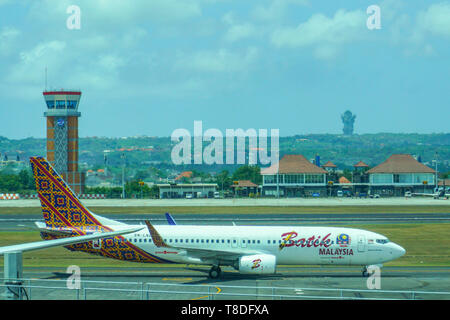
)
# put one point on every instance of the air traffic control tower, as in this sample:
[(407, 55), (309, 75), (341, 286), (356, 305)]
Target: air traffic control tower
[(62, 136)]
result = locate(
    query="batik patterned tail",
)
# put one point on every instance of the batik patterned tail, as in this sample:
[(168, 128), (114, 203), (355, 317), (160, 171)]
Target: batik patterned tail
[(61, 208)]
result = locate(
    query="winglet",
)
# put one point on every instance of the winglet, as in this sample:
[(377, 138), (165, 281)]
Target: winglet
[(170, 219), (157, 239)]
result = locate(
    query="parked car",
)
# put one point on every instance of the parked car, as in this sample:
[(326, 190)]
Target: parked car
[(188, 195)]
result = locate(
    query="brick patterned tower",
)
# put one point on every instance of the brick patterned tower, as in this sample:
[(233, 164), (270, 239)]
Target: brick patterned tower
[(62, 136)]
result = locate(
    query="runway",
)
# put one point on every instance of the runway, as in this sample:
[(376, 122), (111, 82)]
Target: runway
[(170, 282), (174, 283), (21, 222)]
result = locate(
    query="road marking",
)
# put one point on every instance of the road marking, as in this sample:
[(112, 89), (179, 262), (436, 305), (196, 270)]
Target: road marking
[(176, 279), (202, 297)]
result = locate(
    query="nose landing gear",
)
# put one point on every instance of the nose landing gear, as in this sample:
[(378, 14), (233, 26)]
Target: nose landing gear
[(365, 273)]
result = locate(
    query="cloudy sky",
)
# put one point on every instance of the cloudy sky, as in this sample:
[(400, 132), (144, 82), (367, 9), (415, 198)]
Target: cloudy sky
[(151, 67)]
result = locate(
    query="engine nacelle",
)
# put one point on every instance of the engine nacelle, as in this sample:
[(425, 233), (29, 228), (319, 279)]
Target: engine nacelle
[(258, 264)]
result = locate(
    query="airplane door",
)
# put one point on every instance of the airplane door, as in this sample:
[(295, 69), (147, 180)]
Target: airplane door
[(234, 242), (361, 243)]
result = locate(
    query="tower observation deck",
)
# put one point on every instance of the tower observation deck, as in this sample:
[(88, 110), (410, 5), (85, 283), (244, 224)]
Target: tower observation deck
[(62, 136)]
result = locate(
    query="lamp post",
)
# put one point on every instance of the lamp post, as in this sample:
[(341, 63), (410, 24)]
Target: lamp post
[(436, 171), (123, 175)]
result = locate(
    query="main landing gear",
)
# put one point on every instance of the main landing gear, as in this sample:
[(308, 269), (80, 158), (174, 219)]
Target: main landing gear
[(215, 272)]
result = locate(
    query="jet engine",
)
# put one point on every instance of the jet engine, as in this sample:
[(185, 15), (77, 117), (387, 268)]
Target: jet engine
[(257, 264)]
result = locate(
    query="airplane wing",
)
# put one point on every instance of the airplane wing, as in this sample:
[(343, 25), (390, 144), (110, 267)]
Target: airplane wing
[(221, 254), (65, 241)]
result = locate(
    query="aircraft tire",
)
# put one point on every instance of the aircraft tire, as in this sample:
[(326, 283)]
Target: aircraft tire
[(215, 272)]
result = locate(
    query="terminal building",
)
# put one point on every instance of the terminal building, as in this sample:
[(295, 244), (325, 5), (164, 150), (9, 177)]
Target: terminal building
[(185, 190), (401, 173), (298, 177), (62, 136), (294, 176)]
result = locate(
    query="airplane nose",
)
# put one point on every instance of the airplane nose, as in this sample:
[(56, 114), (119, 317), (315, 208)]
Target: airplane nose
[(399, 251)]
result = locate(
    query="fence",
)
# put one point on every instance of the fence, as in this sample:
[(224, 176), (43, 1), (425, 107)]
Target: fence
[(48, 289)]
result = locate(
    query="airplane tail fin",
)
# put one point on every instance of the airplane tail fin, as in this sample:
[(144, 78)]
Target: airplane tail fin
[(61, 208)]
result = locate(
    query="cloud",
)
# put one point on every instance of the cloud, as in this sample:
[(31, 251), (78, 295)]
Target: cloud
[(436, 19), (8, 36), (325, 35), (118, 13), (276, 10), (221, 60), (240, 31)]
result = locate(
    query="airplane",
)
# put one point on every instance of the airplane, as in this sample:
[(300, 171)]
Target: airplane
[(249, 249), (437, 193)]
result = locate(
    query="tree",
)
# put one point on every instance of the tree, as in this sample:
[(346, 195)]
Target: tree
[(224, 180), (248, 172)]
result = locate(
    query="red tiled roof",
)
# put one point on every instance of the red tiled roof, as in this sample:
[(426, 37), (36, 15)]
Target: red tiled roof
[(329, 164), (401, 163), (293, 163), (343, 180), (245, 184), (185, 174), (361, 164)]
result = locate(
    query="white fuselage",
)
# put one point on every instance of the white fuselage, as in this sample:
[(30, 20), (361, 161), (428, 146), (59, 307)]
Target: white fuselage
[(290, 245)]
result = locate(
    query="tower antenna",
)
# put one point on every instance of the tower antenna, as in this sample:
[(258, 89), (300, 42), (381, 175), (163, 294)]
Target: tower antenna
[(45, 78)]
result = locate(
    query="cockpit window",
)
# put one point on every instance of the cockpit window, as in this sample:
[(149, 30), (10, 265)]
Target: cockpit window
[(382, 241)]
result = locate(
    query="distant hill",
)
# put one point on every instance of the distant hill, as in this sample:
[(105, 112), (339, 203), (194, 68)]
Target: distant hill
[(342, 150)]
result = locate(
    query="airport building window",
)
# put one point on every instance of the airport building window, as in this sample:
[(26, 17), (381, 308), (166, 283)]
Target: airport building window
[(50, 104), (60, 104), (314, 178), (71, 104)]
